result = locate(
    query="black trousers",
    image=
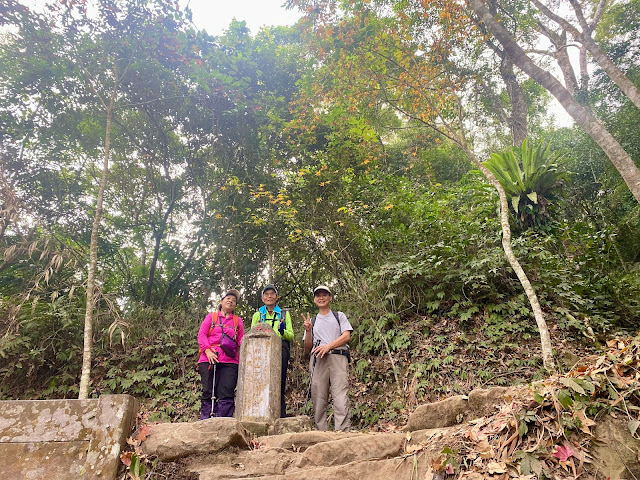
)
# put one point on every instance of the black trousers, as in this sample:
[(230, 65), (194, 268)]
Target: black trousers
[(286, 355), (218, 382)]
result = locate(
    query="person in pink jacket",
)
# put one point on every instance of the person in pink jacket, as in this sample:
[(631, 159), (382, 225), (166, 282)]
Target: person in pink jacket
[(218, 362)]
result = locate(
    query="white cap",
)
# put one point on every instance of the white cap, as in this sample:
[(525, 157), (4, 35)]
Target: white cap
[(322, 287)]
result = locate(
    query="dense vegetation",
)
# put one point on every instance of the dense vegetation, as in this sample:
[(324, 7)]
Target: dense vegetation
[(330, 152)]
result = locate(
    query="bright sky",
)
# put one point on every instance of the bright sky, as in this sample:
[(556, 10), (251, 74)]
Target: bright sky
[(214, 16)]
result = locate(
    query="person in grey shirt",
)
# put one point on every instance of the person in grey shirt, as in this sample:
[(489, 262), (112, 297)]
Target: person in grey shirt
[(325, 337)]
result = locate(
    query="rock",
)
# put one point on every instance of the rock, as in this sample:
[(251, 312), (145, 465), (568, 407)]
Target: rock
[(61, 439), (482, 401), (271, 465), (242, 464), (259, 429), (301, 423), (169, 441), (444, 413), (615, 450), (425, 437), (347, 450), (299, 442)]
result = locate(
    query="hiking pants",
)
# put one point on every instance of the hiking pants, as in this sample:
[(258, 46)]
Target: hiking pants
[(286, 354), (330, 371), (226, 378)]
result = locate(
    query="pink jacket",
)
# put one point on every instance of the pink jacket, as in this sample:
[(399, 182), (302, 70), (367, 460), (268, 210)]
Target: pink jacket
[(207, 341)]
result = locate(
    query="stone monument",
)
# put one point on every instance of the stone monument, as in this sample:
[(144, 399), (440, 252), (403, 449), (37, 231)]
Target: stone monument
[(258, 394)]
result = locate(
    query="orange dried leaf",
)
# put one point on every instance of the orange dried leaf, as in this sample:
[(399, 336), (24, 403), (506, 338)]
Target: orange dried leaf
[(143, 433), (126, 458)]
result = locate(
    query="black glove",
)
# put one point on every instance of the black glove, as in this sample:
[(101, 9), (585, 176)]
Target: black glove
[(281, 327)]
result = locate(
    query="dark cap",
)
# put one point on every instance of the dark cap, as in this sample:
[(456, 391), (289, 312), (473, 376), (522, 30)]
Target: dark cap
[(269, 286)]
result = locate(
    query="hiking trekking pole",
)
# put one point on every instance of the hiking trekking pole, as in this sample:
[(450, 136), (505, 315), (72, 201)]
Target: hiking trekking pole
[(213, 390), (313, 369)]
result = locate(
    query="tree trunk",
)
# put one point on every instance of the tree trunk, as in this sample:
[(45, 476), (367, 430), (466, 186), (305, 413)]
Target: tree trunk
[(93, 261), (178, 275), (159, 235), (545, 339), (518, 117), (591, 125), (588, 43)]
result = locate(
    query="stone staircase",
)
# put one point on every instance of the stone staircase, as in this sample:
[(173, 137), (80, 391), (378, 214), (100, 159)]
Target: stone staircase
[(300, 455), (222, 448)]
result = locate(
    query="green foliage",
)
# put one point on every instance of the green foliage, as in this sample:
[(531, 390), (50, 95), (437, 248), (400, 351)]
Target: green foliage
[(225, 171), (159, 363), (531, 179)]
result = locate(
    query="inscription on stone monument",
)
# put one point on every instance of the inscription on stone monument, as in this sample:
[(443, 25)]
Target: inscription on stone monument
[(258, 395)]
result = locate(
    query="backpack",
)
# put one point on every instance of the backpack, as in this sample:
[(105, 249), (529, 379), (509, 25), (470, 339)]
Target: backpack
[(227, 344), (335, 314), (283, 316)]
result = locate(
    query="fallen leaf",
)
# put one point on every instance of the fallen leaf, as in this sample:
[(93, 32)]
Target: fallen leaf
[(126, 458), (485, 449), (471, 476), (143, 433), (563, 453), (585, 422), (496, 467), (413, 448), (437, 463)]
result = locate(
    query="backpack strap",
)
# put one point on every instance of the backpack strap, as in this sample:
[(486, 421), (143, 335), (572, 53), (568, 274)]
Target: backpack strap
[(283, 315), (313, 322), (215, 319), (236, 321)]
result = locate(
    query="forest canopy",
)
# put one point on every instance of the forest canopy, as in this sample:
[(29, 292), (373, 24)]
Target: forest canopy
[(395, 150)]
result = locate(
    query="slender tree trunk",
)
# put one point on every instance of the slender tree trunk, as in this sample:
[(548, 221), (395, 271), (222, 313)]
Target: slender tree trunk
[(93, 261), (159, 235), (590, 45), (545, 339), (559, 42), (178, 275), (590, 124)]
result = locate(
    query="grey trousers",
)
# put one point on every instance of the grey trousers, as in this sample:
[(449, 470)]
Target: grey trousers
[(330, 371)]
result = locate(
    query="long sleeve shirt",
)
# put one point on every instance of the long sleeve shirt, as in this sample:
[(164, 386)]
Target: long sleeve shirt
[(210, 337)]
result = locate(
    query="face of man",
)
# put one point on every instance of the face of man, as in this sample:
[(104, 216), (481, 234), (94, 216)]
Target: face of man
[(270, 298), (229, 303), (321, 298)]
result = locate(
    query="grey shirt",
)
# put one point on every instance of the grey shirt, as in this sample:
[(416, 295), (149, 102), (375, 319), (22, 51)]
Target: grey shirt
[(326, 328)]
